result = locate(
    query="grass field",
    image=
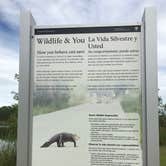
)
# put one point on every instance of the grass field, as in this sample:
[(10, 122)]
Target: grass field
[(8, 154), (162, 155)]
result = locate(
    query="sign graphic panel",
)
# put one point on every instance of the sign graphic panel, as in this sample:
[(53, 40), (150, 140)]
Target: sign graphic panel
[(87, 96)]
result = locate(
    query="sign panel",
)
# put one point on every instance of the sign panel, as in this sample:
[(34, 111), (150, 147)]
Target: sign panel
[(87, 106)]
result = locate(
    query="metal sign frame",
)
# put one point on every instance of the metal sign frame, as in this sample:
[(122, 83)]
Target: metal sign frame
[(148, 79)]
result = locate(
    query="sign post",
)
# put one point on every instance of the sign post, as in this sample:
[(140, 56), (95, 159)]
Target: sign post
[(151, 88), (88, 92), (24, 115)]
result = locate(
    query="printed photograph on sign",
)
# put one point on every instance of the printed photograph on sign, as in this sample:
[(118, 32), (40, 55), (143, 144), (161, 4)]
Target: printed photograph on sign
[(87, 106)]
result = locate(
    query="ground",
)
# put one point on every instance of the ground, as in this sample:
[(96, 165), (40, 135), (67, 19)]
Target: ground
[(162, 155)]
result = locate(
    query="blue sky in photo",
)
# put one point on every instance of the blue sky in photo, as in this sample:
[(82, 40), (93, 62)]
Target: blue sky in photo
[(59, 12)]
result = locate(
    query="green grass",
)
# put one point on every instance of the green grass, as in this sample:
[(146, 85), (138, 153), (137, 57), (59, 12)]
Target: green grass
[(38, 110), (8, 154), (162, 146), (131, 103), (7, 147), (42, 110), (162, 136), (162, 155), (8, 135)]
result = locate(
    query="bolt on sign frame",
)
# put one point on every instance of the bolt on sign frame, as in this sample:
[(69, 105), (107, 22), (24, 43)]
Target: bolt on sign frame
[(149, 88)]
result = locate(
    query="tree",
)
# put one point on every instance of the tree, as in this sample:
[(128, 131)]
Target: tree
[(162, 112), (15, 94)]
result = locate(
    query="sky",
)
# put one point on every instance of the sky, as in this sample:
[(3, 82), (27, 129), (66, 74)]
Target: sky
[(61, 12)]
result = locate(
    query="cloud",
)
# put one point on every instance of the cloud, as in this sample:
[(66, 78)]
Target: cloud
[(8, 67), (72, 12), (162, 48), (82, 12), (162, 85), (9, 12), (58, 12)]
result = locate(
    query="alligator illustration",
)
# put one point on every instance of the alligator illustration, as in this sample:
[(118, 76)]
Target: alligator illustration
[(60, 139)]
